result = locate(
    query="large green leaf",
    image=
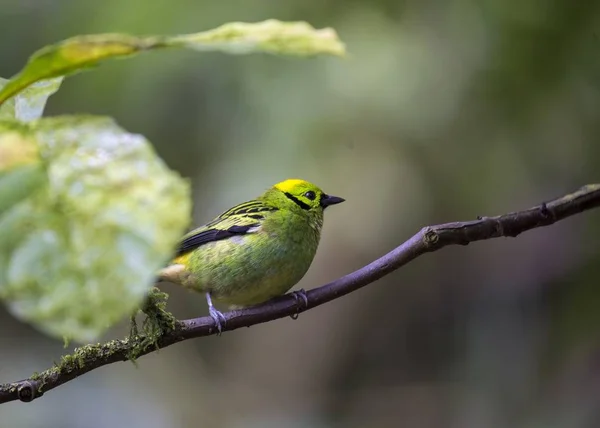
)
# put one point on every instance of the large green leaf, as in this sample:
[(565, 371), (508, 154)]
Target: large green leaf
[(92, 214), (29, 104), (78, 53)]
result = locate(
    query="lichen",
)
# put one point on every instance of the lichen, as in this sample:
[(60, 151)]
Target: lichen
[(81, 357)]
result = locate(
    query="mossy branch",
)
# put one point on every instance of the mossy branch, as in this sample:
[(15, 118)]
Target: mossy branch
[(162, 330)]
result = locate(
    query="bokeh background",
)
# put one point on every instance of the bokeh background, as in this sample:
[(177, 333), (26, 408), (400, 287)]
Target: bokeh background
[(445, 110)]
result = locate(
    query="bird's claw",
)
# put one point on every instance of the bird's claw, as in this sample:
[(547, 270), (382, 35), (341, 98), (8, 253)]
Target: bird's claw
[(218, 318), (301, 302)]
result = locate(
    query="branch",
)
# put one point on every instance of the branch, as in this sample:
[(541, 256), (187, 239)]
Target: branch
[(428, 239)]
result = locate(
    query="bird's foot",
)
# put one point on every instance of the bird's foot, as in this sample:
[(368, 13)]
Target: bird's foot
[(301, 302), (218, 318)]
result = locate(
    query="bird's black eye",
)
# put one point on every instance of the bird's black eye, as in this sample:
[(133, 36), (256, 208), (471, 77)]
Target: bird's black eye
[(310, 195)]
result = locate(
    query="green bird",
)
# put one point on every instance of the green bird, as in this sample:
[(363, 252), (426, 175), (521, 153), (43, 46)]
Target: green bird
[(254, 251)]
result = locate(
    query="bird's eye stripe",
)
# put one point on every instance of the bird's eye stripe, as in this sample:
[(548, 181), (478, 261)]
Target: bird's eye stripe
[(297, 201)]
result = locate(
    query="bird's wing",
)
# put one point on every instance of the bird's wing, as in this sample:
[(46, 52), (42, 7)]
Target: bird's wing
[(239, 220), (250, 208)]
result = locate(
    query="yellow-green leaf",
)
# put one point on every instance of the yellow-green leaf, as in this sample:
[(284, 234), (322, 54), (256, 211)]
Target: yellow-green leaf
[(83, 237), (287, 38), (78, 53)]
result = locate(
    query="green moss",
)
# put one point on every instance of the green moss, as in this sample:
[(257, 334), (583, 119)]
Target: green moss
[(157, 316), (79, 359), (158, 321)]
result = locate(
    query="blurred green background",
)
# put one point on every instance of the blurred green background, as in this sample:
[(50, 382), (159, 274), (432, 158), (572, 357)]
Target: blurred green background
[(445, 110)]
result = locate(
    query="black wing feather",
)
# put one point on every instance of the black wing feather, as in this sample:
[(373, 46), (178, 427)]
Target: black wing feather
[(211, 235), (236, 221)]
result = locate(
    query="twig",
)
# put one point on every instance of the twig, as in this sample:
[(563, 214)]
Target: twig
[(428, 239)]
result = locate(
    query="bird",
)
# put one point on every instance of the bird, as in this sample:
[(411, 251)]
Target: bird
[(255, 251)]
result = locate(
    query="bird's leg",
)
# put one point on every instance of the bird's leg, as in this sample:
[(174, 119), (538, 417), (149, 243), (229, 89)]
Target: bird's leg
[(299, 296), (216, 315)]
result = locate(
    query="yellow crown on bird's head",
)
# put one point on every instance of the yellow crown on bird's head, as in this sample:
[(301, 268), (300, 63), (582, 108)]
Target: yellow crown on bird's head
[(291, 183)]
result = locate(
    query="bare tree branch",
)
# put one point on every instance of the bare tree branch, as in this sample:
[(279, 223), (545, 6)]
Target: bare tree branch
[(428, 239)]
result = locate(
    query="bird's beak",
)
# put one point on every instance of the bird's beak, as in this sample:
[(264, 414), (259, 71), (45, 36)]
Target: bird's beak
[(327, 200)]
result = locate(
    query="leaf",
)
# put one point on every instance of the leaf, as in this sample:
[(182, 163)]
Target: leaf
[(29, 104), (99, 215), (272, 36), (82, 52), (20, 167)]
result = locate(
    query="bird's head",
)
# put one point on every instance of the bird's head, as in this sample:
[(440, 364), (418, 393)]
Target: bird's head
[(300, 194)]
